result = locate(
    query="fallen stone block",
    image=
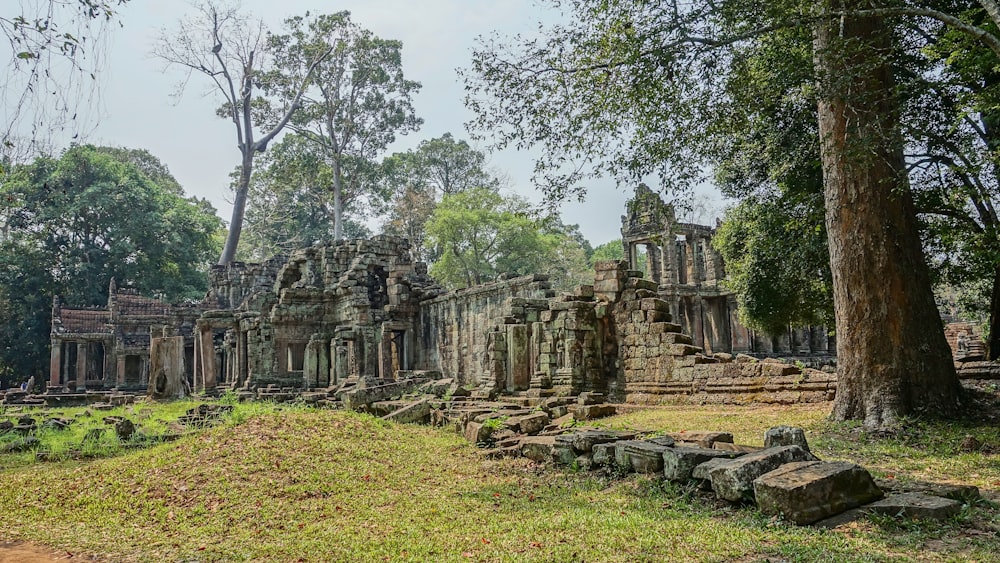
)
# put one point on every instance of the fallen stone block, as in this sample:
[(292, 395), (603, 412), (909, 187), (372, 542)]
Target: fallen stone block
[(704, 438), (603, 454), (739, 448), (622, 456), (418, 412), (679, 462), (530, 423), (734, 480), (704, 470), (584, 462), (20, 445), (584, 442), (538, 448), (125, 429), (590, 398), (809, 491), (916, 506), (563, 454), (590, 412), (963, 493), (477, 432), (646, 456), (785, 436)]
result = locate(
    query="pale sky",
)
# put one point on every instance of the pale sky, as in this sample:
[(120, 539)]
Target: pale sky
[(437, 36)]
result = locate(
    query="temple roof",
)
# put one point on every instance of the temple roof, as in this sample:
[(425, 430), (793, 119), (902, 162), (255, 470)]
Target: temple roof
[(83, 321)]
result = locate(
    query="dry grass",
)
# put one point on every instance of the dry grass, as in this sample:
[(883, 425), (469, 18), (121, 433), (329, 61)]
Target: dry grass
[(324, 486)]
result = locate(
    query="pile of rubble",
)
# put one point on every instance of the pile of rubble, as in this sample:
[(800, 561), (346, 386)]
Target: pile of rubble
[(783, 477)]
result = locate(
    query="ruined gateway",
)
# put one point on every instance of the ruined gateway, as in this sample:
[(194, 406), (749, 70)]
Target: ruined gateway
[(362, 312)]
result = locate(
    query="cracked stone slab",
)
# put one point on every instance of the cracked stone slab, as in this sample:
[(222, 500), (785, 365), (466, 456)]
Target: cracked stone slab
[(679, 462), (916, 506), (809, 491), (734, 480)]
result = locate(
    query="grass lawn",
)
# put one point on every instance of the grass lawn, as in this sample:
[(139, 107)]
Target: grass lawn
[(314, 485)]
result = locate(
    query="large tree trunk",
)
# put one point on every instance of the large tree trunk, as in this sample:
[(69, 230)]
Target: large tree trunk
[(239, 208), (338, 201), (993, 346), (892, 355)]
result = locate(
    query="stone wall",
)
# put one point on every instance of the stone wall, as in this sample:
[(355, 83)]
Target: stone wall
[(465, 333)]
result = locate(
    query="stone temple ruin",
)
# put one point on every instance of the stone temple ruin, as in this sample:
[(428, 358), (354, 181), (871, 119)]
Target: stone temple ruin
[(362, 313)]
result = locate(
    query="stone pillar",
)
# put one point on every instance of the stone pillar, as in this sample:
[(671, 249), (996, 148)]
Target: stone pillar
[(208, 379), (385, 356), (55, 362), (653, 260), (341, 364), (518, 358), (120, 370), (81, 366), (698, 324)]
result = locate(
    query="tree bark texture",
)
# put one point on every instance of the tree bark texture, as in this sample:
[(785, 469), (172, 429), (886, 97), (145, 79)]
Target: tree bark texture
[(891, 351), (239, 207), (993, 346)]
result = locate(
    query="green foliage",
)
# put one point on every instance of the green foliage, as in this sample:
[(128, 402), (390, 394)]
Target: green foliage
[(611, 250), (290, 204), (480, 234), (356, 103), (777, 264), (418, 177), (72, 224)]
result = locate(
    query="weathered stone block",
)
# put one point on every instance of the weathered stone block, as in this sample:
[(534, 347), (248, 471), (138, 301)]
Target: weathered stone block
[(530, 423), (645, 457), (417, 412), (590, 412), (769, 369), (622, 456), (585, 441), (590, 398), (809, 491), (538, 448), (704, 438), (563, 455), (916, 505), (679, 462), (675, 338), (603, 454), (963, 493), (477, 432), (734, 480), (785, 436)]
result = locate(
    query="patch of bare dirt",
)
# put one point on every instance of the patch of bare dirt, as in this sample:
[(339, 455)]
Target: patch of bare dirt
[(24, 552)]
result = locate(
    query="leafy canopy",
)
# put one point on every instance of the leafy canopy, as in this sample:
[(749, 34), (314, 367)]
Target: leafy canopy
[(70, 225)]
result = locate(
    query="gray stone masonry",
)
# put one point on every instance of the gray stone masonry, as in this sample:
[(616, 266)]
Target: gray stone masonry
[(809, 491), (733, 481)]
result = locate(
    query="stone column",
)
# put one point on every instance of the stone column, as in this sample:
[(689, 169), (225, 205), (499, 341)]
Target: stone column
[(205, 377), (81, 366), (55, 361), (698, 324), (120, 370)]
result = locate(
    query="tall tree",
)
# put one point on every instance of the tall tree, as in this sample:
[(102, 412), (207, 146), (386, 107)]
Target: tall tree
[(358, 99), (72, 224), (419, 177), (628, 88), (290, 205), (232, 51)]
